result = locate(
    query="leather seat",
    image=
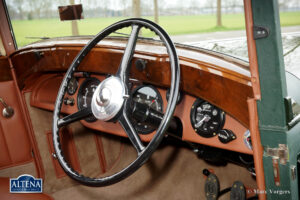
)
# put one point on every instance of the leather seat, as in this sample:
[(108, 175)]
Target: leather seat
[(6, 195)]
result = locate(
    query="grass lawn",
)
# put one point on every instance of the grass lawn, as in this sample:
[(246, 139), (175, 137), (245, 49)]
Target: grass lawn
[(174, 25)]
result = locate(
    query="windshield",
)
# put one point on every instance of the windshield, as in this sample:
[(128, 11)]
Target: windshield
[(237, 47), (200, 23)]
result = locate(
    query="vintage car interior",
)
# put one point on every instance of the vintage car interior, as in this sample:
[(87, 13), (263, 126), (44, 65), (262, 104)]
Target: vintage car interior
[(127, 117)]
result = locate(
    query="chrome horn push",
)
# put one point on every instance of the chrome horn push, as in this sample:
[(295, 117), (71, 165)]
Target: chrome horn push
[(108, 98)]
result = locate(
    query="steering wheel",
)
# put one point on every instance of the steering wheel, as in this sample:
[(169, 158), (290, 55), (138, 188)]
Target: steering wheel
[(111, 101)]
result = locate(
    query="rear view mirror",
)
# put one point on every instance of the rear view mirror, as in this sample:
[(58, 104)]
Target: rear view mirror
[(70, 12)]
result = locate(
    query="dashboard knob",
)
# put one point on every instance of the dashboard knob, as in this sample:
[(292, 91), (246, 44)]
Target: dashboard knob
[(69, 101), (140, 64), (226, 136)]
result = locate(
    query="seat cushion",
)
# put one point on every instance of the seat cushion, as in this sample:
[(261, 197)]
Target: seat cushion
[(6, 195)]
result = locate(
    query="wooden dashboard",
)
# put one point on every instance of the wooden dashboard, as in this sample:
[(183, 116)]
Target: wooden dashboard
[(220, 80), (46, 87)]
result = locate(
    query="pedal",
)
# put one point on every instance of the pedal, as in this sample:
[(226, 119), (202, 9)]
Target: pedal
[(238, 191), (212, 187)]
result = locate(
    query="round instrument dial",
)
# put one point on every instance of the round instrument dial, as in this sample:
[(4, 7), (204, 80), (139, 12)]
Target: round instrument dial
[(179, 98), (85, 95), (72, 86), (206, 118), (150, 96)]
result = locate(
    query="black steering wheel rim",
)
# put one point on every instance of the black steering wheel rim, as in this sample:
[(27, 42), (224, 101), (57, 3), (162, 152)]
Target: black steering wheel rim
[(143, 154)]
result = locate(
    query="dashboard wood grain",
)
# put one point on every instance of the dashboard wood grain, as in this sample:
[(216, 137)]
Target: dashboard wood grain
[(49, 84), (227, 86)]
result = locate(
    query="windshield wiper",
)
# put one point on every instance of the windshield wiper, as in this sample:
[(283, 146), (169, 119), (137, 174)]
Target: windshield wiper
[(125, 34), (42, 38), (293, 49), (128, 35)]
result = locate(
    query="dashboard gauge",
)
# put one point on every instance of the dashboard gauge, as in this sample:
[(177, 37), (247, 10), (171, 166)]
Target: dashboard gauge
[(150, 96), (72, 86), (206, 118), (179, 98), (85, 95)]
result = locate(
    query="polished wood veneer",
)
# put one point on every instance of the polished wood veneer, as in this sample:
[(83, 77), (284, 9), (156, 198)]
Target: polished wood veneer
[(46, 87), (225, 82)]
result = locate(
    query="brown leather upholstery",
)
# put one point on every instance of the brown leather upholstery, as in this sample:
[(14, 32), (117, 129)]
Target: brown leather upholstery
[(6, 195), (15, 147)]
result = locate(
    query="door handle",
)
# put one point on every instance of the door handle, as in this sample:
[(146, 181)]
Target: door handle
[(7, 111)]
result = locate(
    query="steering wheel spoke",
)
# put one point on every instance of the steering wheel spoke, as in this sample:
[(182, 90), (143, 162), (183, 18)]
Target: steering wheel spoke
[(131, 133), (124, 68), (81, 114)]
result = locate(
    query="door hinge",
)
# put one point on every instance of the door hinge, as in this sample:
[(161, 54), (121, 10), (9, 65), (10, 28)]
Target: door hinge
[(281, 153)]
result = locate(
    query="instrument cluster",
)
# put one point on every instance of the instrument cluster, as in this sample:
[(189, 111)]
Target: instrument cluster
[(145, 94), (205, 119)]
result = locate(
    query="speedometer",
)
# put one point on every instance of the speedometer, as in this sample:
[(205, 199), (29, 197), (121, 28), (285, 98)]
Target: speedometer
[(206, 118), (150, 96), (85, 95)]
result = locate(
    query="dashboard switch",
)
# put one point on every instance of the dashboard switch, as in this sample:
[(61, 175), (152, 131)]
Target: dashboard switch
[(226, 136), (69, 101)]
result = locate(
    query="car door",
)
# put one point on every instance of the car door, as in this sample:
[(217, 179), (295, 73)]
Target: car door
[(17, 152)]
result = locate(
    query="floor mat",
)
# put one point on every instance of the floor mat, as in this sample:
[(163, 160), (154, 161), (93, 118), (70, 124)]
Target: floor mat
[(171, 173)]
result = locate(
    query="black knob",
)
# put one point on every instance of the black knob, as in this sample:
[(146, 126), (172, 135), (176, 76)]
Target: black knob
[(140, 64), (226, 136), (206, 172)]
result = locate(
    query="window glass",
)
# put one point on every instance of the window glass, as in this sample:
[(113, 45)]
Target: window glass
[(192, 22)]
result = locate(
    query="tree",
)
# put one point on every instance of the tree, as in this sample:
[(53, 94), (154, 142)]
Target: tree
[(219, 13), (105, 7), (125, 5), (74, 24), (19, 7), (35, 9), (155, 11), (136, 6)]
